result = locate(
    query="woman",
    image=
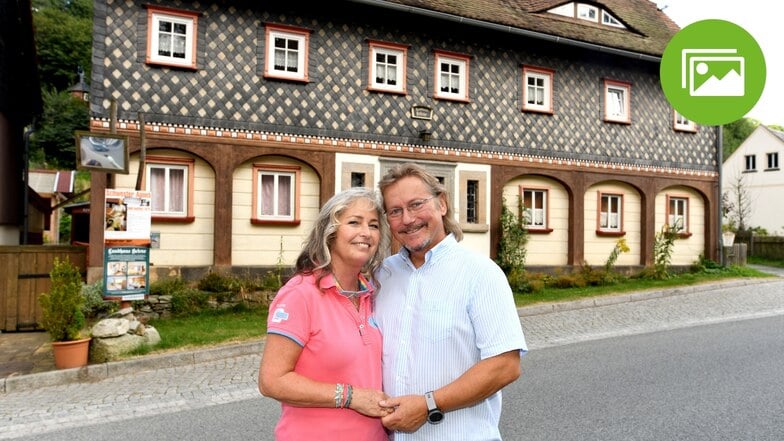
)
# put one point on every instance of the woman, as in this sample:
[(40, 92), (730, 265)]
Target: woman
[(322, 358)]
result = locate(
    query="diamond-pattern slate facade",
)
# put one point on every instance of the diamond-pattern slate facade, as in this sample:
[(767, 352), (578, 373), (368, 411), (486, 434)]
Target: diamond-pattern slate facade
[(228, 92)]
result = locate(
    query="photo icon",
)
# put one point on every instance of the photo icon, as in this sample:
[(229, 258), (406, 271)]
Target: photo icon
[(713, 72)]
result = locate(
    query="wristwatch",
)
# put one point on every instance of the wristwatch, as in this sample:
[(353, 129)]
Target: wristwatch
[(434, 414)]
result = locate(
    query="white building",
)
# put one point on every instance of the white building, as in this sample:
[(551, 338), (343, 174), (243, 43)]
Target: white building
[(753, 180)]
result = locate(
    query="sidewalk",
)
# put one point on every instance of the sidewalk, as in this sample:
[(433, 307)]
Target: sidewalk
[(26, 361)]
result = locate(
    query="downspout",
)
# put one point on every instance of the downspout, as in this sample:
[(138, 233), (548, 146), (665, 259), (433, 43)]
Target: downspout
[(25, 182), (720, 217), (509, 29)]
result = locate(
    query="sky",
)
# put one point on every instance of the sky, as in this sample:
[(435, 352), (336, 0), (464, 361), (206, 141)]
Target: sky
[(760, 18)]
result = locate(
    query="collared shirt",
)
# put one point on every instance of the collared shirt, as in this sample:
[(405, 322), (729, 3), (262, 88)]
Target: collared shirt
[(339, 345), (438, 321)]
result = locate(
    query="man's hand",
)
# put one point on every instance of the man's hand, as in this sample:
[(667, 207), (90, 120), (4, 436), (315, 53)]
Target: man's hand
[(409, 415)]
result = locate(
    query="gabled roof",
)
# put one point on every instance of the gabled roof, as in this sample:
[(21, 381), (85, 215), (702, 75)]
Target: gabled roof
[(48, 182), (648, 30)]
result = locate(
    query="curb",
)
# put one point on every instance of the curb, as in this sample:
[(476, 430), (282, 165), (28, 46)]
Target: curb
[(101, 371)]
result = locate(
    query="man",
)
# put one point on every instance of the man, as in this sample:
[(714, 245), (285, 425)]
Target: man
[(452, 336)]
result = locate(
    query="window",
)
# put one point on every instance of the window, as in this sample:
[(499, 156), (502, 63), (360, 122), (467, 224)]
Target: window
[(773, 161), (286, 53), (451, 80), (610, 209), (609, 20), (683, 124), (678, 213), (535, 206), (472, 201), (354, 174), (171, 37), (537, 89), (170, 182), (275, 194), (587, 12), (387, 67), (751, 163), (357, 179), (617, 101)]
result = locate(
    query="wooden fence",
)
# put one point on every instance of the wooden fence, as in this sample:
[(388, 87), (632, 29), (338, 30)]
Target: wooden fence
[(24, 275)]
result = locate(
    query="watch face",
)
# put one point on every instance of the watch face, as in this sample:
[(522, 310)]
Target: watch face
[(435, 416)]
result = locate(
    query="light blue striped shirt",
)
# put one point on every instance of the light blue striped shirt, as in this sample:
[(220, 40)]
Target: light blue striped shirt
[(439, 320)]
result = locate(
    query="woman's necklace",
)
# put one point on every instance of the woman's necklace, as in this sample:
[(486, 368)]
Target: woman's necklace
[(363, 289)]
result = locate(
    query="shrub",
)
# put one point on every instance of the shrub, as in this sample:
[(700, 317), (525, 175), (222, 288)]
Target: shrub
[(61, 307), (94, 304), (510, 255), (189, 301)]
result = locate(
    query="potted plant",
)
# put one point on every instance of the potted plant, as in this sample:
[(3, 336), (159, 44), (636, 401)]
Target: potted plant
[(62, 315)]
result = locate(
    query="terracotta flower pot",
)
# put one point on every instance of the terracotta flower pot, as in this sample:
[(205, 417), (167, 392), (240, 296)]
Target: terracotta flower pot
[(71, 354)]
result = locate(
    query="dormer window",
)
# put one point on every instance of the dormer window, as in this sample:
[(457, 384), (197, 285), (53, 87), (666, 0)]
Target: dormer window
[(587, 12)]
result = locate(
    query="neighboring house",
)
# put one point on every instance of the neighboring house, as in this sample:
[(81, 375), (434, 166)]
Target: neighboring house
[(753, 180), (256, 113), (53, 187)]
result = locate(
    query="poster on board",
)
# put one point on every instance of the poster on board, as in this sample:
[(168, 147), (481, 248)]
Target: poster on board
[(127, 217), (126, 272)]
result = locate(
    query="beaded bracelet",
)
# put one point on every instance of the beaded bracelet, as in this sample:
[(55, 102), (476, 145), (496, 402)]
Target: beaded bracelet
[(338, 394), (348, 396)]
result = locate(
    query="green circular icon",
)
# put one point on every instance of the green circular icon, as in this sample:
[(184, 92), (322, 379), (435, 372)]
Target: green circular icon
[(712, 72)]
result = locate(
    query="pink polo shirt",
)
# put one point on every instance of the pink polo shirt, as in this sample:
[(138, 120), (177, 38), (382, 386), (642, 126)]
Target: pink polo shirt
[(339, 345)]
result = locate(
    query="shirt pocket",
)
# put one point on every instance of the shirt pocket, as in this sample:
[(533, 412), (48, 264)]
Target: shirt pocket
[(437, 320)]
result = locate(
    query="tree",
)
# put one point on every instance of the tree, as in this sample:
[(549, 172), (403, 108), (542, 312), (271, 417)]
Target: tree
[(52, 144), (735, 133), (737, 203), (63, 40)]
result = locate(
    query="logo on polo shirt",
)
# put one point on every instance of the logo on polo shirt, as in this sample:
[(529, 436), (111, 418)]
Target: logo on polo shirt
[(279, 315)]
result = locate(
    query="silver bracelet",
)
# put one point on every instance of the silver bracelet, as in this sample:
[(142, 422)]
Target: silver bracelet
[(338, 395)]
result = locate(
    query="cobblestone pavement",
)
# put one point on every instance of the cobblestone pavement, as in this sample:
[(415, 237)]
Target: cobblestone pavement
[(138, 389)]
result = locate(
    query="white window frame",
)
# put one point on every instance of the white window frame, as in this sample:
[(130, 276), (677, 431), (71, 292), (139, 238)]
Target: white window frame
[(585, 11), (680, 212), (462, 64), (155, 16), (681, 123), (751, 162), (546, 88), (617, 101), (537, 195), (609, 20), (773, 160), (276, 171), (614, 208), (288, 34), (169, 164), (277, 196), (376, 48)]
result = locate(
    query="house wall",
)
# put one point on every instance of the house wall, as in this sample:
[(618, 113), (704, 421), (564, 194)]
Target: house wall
[(598, 248), (228, 115), (690, 245), (254, 245), (761, 188), (194, 239), (551, 248)]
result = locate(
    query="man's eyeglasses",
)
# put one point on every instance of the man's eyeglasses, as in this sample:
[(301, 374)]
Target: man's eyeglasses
[(414, 206)]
